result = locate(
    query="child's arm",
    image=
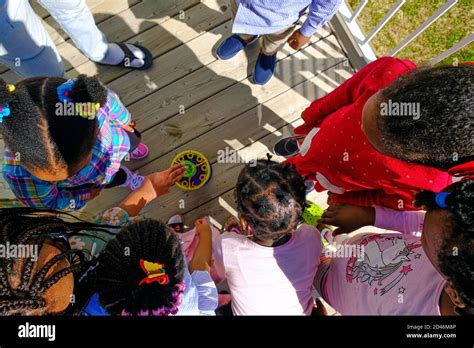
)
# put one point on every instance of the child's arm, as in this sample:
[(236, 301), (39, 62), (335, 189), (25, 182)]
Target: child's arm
[(203, 255), (154, 185), (348, 218), (367, 198), (320, 12), (407, 222)]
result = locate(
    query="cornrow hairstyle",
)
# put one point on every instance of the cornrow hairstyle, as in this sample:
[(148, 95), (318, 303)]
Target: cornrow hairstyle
[(457, 267), (441, 137), (271, 197), (24, 293), (38, 131), (119, 272)]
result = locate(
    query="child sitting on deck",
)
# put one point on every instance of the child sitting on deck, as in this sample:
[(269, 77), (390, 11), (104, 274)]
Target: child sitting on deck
[(65, 141), (270, 264), (403, 273)]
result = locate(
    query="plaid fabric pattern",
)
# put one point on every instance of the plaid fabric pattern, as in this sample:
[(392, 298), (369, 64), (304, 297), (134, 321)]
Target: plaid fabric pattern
[(111, 147)]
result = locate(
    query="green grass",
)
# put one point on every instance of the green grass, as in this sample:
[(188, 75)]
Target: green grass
[(449, 29)]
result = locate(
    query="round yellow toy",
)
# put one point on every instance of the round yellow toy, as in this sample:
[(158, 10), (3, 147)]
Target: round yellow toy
[(199, 170)]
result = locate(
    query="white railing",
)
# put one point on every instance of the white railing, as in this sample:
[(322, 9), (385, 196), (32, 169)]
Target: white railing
[(361, 42)]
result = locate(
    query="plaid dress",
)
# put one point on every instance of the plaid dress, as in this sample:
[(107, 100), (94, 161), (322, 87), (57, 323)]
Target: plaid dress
[(111, 147)]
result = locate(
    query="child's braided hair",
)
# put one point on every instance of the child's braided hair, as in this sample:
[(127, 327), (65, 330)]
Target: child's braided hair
[(271, 197), (22, 292), (34, 130), (119, 272), (457, 266)]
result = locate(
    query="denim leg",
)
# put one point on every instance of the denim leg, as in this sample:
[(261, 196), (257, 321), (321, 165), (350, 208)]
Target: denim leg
[(25, 45)]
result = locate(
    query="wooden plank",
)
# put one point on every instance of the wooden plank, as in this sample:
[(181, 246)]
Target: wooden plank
[(118, 27), (183, 61), (242, 133), (165, 37), (199, 85), (170, 67), (127, 27), (39, 10), (221, 106)]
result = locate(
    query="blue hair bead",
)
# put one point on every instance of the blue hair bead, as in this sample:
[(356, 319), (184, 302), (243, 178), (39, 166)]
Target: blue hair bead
[(441, 199), (4, 111)]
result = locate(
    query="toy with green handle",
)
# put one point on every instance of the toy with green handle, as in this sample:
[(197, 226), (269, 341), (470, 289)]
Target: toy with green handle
[(311, 215)]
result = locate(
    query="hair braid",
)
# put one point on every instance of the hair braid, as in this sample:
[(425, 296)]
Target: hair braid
[(35, 227), (271, 197)]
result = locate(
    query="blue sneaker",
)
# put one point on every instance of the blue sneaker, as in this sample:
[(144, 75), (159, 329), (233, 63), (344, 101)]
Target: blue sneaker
[(264, 69), (232, 45)]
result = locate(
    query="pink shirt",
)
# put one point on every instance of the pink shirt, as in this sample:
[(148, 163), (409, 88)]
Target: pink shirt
[(394, 277), (270, 280)]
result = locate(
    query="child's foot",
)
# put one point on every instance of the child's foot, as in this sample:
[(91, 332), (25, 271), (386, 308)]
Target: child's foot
[(140, 152), (176, 223), (229, 48), (288, 146), (134, 180), (264, 68), (132, 56)]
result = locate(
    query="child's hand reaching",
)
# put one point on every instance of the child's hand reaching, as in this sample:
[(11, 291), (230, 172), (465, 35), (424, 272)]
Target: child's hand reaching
[(162, 181), (298, 40), (348, 217)]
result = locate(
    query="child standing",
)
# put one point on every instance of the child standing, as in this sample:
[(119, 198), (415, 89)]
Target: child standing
[(403, 274), (373, 141), (271, 271), (65, 141), (275, 21)]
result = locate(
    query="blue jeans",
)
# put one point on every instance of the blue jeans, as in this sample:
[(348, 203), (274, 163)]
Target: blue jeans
[(27, 48)]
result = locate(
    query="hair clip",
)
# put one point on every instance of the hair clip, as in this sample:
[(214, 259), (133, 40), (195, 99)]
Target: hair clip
[(84, 109), (155, 272), (5, 108), (440, 199), (4, 111), (65, 90)]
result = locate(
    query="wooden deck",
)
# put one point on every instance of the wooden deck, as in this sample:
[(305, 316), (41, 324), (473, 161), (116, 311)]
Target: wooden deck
[(191, 100)]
